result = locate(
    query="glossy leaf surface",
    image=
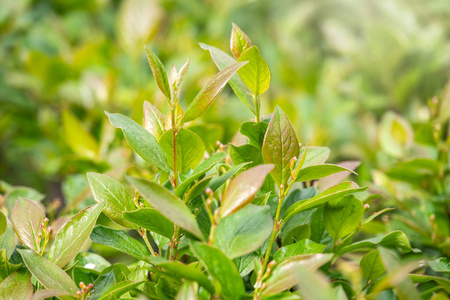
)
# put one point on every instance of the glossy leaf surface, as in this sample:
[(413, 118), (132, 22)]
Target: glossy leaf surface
[(152, 220), (304, 246), (17, 286), (26, 219), (319, 171)]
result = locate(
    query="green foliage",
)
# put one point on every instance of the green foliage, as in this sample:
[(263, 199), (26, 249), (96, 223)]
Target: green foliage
[(203, 223)]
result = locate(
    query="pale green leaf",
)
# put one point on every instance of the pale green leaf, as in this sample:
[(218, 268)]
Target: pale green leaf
[(26, 219), (256, 73), (159, 72)]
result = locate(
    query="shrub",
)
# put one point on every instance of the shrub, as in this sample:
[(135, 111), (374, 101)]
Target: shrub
[(260, 220)]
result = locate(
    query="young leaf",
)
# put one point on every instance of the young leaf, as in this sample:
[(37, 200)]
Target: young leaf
[(159, 72), (224, 60), (372, 266), (119, 240), (221, 268), (48, 274), (26, 219), (17, 286), (394, 239), (304, 246), (239, 41), (256, 74), (79, 139), (280, 146), (201, 169), (255, 132), (8, 238), (244, 231), (343, 216), (284, 276), (152, 220), (188, 291), (73, 235), (178, 77), (167, 204), (3, 222), (330, 194), (142, 141), (314, 155), (190, 149), (207, 95), (153, 120), (179, 114), (319, 171), (243, 189), (114, 194)]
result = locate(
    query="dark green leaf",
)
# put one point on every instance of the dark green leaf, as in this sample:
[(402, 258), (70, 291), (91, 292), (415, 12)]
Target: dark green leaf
[(256, 73), (114, 194), (330, 194), (102, 284), (243, 189), (372, 266), (167, 204), (304, 246), (221, 268), (142, 141), (280, 146), (190, 149), (159, 72), (153, 120), (341, 217), (48, 274), (152, 220), (119, 240), (244, 231), (224, 60), (17, 286), (246, 153), (207, 95), (73, 235), (255, 132), (319, 171), (26, 219), (239, 41)]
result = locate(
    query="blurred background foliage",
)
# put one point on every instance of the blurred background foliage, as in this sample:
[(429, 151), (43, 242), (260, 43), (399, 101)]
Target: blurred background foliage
[(356, 76)]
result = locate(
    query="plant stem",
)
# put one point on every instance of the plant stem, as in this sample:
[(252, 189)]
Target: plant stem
[(144, 236), (176, 231), (256, 108)]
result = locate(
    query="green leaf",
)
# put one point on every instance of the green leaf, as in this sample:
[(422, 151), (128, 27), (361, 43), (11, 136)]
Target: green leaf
[(343, 216), (142, 141), (284, 276), (3, 222), (333, 193), (244, 231), (197, 189), (120, 288), (73, 235), (314, 155), (159, 72), (209, 92), (14, 193), (17, 286), (239, 41), (221, 268), (444, 282), (304, 246), (153, 120), (245, 264), (190, 149), (103, 283), (314, 285), (243, 189), (372, 266), (150, 219), (319, 171), (256, 74), (280, 146), (79, 139), (48, 274), (188, 291), (46, 294), (115, 196), (255, 132), (201, 169), (26, 219), (177, 78), (395, 134), (8, 238), (188, 272), (246, 153), (6, 268), (223, 60), (121, 241), (394, 239), (167, 204), (441, 265), (217, 183)]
